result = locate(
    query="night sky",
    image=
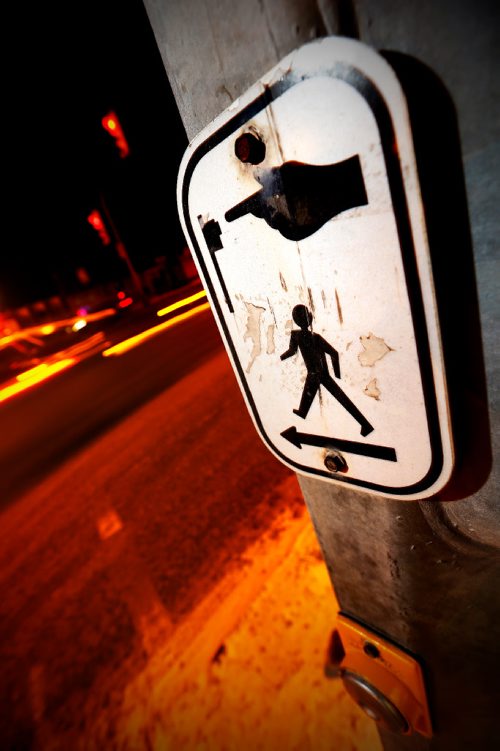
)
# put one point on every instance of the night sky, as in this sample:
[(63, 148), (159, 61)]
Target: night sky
[(75, 62)]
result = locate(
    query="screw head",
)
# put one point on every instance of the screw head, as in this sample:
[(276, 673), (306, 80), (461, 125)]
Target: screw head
[(335, 462), (371, 650)]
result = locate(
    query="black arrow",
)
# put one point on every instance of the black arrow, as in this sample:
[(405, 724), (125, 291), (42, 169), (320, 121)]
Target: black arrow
[(351, 447)]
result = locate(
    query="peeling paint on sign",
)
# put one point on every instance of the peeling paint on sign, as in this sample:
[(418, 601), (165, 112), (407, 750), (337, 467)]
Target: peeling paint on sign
[(270, 339), (372, 389), (252, 332), (374, 348)]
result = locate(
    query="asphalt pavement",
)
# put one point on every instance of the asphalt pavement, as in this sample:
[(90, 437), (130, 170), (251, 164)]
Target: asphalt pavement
[(146, 484), (161, 584)]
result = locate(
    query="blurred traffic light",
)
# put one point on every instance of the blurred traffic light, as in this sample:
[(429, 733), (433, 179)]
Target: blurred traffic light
[(111, 124), (96, 221)]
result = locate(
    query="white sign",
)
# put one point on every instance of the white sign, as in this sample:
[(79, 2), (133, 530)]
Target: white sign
[(302, 208)]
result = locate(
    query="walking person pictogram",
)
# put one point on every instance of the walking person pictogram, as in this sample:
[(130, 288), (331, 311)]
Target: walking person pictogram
[(314, 349)]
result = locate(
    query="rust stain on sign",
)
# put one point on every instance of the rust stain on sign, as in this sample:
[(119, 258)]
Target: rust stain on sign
[(339, 309), (373, 390), (283, 283), (374, 348), (252, 331), (311, 301), (271, 310)]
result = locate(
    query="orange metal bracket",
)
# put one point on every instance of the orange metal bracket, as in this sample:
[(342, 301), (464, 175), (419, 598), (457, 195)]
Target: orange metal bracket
[(390, 670)]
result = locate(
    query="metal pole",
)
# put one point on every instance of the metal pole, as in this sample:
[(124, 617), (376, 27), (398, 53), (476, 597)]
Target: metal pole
[(122, 251), (424, 574)]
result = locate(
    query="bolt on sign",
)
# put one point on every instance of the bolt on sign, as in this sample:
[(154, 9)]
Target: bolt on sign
[(302, 208)]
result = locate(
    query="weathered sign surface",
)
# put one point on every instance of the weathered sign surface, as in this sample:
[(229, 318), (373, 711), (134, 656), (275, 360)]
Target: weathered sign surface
[(302, 208)]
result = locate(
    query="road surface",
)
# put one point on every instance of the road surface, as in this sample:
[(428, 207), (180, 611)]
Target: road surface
[(132, 485)]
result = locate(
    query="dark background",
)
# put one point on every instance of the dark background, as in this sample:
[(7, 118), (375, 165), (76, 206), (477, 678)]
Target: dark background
[(72, 63)]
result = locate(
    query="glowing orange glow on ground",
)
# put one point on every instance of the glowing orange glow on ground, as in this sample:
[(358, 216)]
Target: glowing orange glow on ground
[(35, 375), (181, 303), (249, 660), (134, 341)]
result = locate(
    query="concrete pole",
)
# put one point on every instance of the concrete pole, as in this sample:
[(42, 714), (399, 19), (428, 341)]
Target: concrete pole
[(425, 574)]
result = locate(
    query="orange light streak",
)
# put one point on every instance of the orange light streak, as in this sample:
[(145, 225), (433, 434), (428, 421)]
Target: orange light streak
[(134, 341), (33, 376), (181, 303), (32, 372), (86, 347), (48, 328)]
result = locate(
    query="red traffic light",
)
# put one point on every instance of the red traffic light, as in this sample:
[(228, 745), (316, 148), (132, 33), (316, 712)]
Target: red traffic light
[(96, 221), (111, 124)]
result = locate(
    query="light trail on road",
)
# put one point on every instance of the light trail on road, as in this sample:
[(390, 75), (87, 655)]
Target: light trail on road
[(46, 329), (134, 341), (56, 364), (181, 303), (34, 376), (45, 370)]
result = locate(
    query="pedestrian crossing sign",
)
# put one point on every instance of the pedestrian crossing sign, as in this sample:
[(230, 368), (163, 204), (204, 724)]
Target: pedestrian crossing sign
[(302, 209)]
